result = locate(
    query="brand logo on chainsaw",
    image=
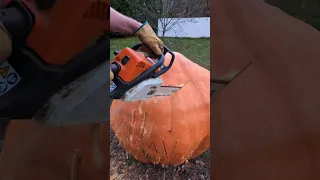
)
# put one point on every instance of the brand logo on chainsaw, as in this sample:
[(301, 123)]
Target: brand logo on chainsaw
[(140, 65), (4, 71)]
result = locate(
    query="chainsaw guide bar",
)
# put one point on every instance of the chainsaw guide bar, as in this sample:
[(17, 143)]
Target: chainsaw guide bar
[(148, 89)]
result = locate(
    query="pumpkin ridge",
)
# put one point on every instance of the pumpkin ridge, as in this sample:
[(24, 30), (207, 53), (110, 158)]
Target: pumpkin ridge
[(120, 127), (144, 153), (133, 121), (141, 145), (141, 134), (140, 108), (172, 123), (142, 126), (171, 110), (148, 150), (191, 152), (199, 142), (165, 150), (174, 148), (155, 148)]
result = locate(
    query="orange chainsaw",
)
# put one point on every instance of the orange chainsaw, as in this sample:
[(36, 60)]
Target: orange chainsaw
[(136, 75), (59, 59)]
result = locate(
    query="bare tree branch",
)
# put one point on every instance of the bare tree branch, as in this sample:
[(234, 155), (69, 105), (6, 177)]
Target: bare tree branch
[(169, 13)]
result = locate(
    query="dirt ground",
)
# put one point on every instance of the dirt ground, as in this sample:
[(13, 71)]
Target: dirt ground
[(123, 166)]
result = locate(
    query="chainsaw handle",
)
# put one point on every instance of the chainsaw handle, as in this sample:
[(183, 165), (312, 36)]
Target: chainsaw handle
[(160, 60), (137, 46), (165, 68)]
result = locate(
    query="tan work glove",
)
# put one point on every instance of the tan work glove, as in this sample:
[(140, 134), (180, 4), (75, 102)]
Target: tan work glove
[(147, 36), (5, 44)]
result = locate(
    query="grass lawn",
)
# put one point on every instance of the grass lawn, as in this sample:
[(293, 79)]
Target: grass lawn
[(195, 49)]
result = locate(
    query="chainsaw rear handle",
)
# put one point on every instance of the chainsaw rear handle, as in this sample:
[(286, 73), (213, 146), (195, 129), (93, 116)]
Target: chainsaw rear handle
[(160, 60), (17, 20)]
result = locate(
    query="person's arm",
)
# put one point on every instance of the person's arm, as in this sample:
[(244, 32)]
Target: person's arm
[(121, 23), (124, 24)]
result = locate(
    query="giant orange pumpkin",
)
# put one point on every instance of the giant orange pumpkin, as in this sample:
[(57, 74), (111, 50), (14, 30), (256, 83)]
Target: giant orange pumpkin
[(168, 130)]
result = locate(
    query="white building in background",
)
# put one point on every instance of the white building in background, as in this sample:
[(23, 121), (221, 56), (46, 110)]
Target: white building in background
[(187, 27)]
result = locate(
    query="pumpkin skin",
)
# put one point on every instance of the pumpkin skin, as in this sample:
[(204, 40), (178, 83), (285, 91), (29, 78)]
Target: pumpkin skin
[(265, 123), (35, 152), (167, 130)]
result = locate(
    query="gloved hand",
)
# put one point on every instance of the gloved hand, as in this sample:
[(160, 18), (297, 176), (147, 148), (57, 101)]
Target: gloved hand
[(6, 44), (147, 36)]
